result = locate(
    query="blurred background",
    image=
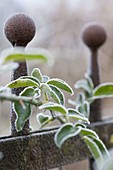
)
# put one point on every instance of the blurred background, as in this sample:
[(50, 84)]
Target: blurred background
[(59, 24)]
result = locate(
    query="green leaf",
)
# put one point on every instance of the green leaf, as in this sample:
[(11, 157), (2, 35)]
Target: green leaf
[(84, 108), (37, 74), (80, 98), (31, 78), (88, 132), (93, 147), (83, 84), (65, 132), (59, 94), (28, 91), (20, 54), (80, 125), (41, 118), (49, 92), (104, 90), (102, 147), (74, 112), (54, 107), (21, 57), (22, 83), (60, 84), (25, 113), (77, 115), (22, 109), (89, 80)]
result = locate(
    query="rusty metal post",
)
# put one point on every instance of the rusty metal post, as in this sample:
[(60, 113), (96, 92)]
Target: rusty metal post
[(19, 30), (94, 36)]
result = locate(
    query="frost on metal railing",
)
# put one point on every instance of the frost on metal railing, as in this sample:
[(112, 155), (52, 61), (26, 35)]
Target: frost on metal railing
[(69, 141)]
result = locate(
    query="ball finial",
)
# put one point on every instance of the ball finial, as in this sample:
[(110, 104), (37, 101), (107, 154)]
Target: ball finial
[(19, 29), (94, 35)]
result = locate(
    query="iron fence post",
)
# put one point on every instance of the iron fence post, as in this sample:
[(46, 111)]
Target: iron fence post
[(94, 36), (19, 30)]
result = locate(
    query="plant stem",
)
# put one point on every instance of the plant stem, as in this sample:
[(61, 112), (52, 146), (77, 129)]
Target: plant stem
[(52, 114), (48, 121), (15, 98), (60, 120)]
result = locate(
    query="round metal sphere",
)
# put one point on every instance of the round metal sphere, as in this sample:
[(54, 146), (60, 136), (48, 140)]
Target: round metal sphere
[(19, 29), (94, 35)]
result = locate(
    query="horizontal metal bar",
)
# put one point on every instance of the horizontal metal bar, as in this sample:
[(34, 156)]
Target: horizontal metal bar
[(37, 151)]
